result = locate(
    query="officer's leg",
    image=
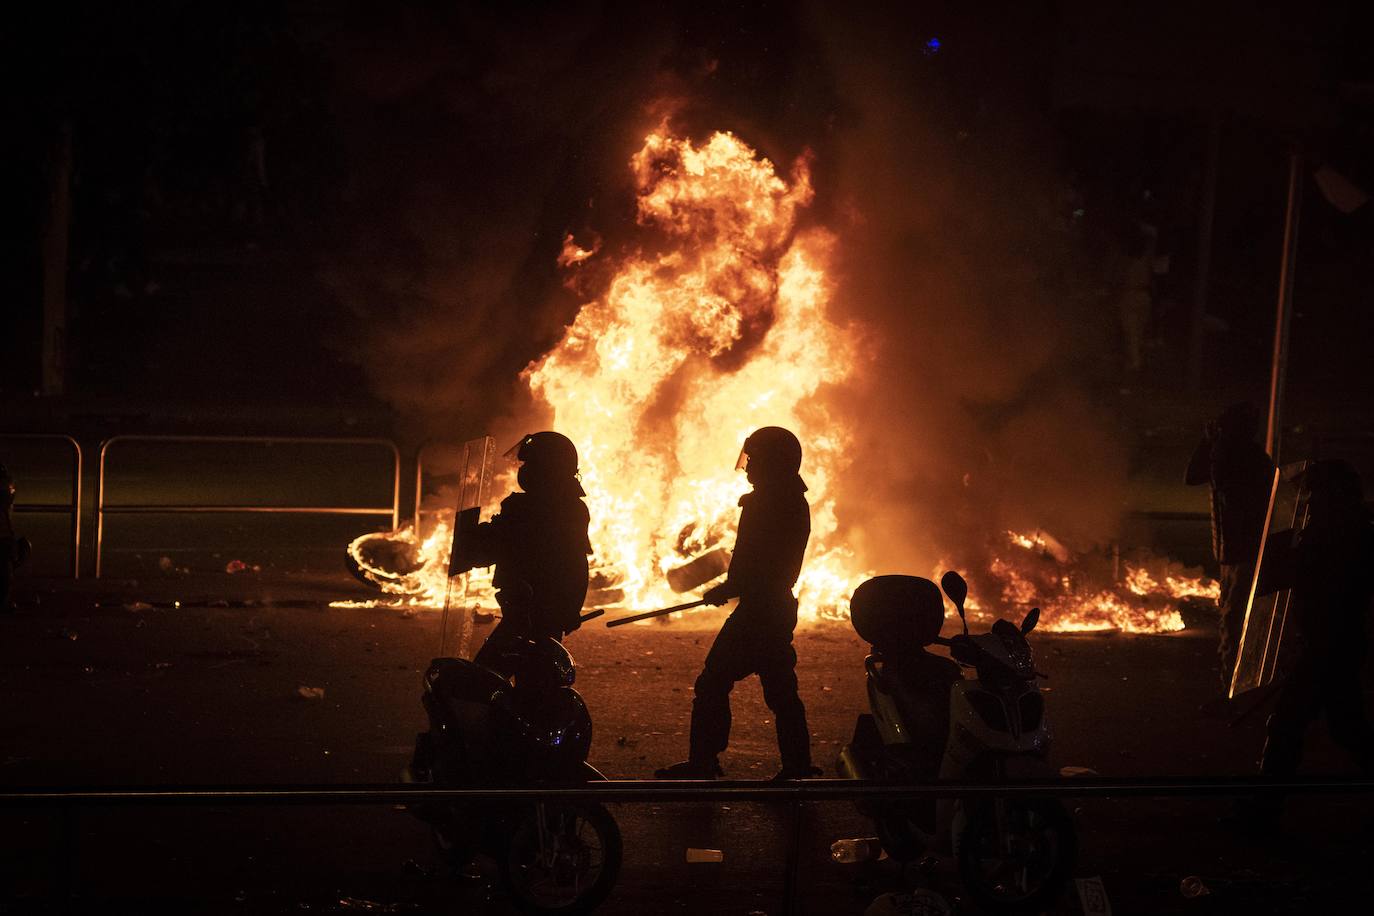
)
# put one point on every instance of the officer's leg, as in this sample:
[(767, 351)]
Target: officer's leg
[(1298, 703), (726, 663), (779, 677), (1345, 716), (1295, 707)]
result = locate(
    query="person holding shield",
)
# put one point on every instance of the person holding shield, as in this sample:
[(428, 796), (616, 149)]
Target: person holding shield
[(538, 543), (774, 526), (1236, 468), (1329, 566)]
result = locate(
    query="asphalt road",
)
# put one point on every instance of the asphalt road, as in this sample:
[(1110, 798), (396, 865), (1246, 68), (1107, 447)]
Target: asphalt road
[(100, 690)]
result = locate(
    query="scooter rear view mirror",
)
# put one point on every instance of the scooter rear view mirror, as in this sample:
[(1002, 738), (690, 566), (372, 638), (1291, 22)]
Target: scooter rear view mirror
[(957, 590), (1031, 620)]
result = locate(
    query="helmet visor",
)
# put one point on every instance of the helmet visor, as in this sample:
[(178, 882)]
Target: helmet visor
[(513, 453), (742, 462)]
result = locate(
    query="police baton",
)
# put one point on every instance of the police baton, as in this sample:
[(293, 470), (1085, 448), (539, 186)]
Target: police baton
[(659, 613)]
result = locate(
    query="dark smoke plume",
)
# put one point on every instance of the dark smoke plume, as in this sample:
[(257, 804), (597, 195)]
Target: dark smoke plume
[(477, 139)]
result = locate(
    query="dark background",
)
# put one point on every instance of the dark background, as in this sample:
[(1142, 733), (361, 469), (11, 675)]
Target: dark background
[(263, 192)]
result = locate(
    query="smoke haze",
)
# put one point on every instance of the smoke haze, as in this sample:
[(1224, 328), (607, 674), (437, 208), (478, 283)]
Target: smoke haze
[(976, 413), (487, 139)]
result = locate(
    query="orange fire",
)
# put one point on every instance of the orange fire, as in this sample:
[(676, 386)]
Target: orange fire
[(717, 325), (1074, 596), (721, 329)]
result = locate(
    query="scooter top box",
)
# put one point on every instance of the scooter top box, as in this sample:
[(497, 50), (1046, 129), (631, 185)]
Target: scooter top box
[(897, 611)]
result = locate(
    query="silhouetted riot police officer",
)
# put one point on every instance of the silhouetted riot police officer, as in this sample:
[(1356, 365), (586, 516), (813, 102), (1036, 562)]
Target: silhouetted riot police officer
[(538, 542), (1330, 569), (1240, 474), (774, 525)]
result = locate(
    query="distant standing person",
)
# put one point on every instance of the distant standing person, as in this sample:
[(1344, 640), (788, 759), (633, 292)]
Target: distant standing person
[(774, 526), (1135, 301), (1240, 473), (14, 550)]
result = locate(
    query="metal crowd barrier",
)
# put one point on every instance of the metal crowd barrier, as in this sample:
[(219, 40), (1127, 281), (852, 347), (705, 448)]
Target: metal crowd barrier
[(794, 793), (420, 478), (74, 507), (420, 484), (101, 510)]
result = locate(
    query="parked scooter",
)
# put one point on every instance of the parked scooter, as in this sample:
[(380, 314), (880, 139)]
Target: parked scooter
[(929, 723), (529, 729)]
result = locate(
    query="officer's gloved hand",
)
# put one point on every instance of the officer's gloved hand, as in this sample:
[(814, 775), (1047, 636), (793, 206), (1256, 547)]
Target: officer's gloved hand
[(716, 595)]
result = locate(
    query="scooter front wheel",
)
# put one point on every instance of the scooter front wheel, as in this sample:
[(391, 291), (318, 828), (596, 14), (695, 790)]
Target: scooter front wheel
[(1015, 856), (562, 858)]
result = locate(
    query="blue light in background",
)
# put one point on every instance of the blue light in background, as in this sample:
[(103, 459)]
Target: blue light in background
[(931, 47)]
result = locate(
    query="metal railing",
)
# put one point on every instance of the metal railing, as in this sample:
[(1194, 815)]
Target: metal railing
[(101, 510), (648, 791), (420, 481), (793, 793), (74, 507)]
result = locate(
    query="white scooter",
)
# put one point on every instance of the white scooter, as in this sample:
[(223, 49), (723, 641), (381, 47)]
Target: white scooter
[(929, 723)]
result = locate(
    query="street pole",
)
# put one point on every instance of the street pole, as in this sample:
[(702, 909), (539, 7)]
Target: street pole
[(1279, 367)]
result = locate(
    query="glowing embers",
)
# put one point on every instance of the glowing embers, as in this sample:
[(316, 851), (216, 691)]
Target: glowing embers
[(1084, 593)]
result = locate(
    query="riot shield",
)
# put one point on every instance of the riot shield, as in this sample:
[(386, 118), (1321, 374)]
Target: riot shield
[(474, 480), (1262, 641)]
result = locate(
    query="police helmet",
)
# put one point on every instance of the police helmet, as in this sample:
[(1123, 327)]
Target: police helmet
[(547, 452), (772, 452)]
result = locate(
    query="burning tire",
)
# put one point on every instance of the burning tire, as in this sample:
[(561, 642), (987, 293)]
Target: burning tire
[(562, 858), (375, 559), (1015, 856)]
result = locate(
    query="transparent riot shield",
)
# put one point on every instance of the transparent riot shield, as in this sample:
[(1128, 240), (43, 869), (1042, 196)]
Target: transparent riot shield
[(1262, 641), (474, 481)]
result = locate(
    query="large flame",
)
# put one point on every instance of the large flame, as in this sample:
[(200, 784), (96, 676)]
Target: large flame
[(723, 328), (715, 325)]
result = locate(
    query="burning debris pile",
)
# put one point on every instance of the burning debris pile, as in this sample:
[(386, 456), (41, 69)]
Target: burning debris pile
[(1142, 594), (413, 568), (716, 322)]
